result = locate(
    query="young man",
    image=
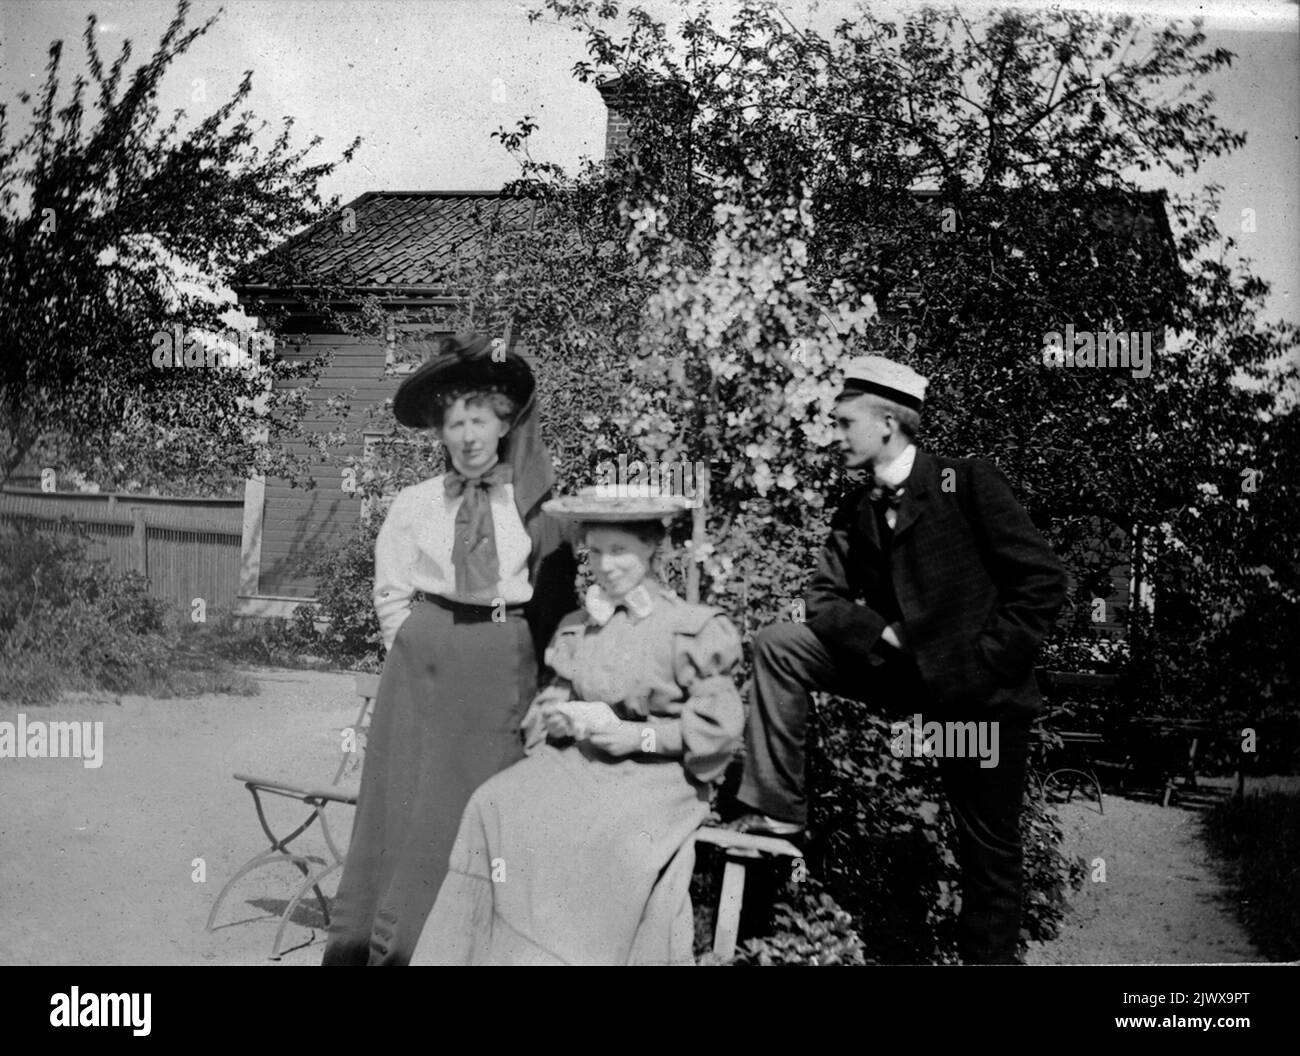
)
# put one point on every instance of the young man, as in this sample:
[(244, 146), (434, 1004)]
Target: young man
[(931, 595)]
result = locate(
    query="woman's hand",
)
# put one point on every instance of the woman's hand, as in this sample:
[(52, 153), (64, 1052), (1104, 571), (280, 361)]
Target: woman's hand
[(551, 693), (623, 738), (555, 722)]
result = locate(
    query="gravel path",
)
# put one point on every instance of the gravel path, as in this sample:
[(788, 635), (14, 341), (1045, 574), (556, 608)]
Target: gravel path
[(97, 866), (1161, 902)]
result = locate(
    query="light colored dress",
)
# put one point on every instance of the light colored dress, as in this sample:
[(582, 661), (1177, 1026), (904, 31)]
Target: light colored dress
[(573, 856)]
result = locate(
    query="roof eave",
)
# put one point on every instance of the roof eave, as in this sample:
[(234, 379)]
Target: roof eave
[(406, 294)]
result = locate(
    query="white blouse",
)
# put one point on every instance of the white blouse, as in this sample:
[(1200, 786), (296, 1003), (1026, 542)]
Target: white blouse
[(413, 551)]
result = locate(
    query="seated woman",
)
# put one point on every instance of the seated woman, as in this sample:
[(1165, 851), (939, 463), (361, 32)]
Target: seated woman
[(581, 853)]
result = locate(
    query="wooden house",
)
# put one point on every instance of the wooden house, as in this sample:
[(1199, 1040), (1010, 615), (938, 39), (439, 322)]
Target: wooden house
[(399, 250)]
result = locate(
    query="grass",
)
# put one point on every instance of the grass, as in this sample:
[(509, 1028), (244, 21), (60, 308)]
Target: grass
[(1259, 837)]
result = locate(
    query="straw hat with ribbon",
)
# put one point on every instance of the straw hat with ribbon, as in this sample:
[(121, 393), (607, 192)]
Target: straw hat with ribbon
[(598, 506)]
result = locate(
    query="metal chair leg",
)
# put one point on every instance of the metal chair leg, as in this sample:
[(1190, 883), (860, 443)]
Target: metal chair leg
[(312, 883), (304, 864), (277, 852)]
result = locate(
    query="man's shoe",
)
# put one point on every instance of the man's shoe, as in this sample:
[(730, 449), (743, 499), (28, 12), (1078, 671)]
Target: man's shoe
[(757, 824)]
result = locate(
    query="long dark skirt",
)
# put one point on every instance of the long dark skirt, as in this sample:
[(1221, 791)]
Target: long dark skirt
[(447, 718)]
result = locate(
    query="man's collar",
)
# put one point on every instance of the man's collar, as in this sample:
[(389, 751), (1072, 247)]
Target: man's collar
[(600, 606), (895, 472)]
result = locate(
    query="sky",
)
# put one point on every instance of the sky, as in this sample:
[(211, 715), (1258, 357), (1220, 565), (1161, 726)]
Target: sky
[(425, 83)]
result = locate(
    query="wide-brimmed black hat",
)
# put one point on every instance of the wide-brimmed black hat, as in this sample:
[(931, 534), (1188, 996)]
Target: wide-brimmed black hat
[(464, 361)]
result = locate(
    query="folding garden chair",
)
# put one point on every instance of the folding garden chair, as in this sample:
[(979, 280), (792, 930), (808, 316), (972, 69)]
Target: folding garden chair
[(313, 867)]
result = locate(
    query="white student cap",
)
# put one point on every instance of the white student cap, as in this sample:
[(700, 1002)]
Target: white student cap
[(883, 377)]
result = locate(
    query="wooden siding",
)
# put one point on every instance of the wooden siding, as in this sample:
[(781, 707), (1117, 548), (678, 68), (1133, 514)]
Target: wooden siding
[(297, 524)]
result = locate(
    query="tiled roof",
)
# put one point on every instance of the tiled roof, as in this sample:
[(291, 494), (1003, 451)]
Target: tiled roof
[(388, 239), (408, 242)]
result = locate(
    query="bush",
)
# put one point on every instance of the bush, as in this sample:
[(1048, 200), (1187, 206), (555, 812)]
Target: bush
[(346, 577), (69, 623), (812, 929), (880, 884), (1259, 835), (883, 834), (275, 642)]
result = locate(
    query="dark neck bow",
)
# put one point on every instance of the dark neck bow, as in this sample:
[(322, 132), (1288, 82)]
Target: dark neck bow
[(891, 496), (455, 482), (474, 550)]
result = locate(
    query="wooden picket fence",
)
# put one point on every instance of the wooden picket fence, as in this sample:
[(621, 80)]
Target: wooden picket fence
[(187, 548)]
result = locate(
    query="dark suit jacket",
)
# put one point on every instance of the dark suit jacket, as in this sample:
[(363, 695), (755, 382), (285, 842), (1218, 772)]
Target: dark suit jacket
[(977, 585)]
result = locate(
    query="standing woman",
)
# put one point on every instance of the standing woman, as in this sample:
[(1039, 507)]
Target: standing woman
[(471, 578)]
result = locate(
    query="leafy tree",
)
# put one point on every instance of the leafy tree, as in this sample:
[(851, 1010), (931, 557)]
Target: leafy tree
[(116, 229), (950, 193), (973, 182)]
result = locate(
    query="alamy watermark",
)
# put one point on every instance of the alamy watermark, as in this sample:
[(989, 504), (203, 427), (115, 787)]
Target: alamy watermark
[(637, 479), (945, 740), (178, 347), (1099, 348), (40, 739), (76, 1009)]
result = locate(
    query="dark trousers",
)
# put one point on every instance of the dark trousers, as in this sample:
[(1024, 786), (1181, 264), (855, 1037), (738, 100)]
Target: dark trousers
[(790, 662)]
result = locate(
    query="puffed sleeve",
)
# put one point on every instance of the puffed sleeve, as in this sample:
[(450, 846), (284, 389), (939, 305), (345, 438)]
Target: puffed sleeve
[(713, 718), (559, 659), (394, 561)]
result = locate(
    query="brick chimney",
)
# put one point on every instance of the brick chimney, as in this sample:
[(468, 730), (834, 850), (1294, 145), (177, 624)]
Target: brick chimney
[(614, 91), (664, 102)]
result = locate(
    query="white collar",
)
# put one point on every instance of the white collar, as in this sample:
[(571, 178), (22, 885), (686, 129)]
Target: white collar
[(894, 473), (601, 606)]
